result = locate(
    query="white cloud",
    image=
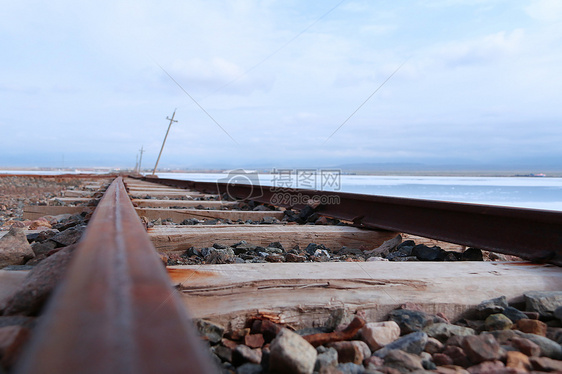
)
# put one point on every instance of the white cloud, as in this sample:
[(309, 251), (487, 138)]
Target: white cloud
[(545, 10), (90, 71), (483, 50)]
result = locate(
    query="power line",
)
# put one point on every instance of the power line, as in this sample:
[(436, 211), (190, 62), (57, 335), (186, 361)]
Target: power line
[(278, 49), (365, 102), (195, 101)]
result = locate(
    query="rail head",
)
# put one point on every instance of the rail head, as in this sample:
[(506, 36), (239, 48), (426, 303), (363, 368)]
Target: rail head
[(533, 234), (115, 311)]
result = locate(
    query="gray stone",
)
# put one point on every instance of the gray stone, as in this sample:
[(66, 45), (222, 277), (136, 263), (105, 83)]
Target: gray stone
[(403, 361), (24, 321), (290, 353), (276, 245), (549, 348), (412, 343), (243, 354), (558, 313), (249, 368), (427, 361), (425, 253), (492, 306), (69, 236), (405, 259), (39, 284), (503, 336), (219, 255), (210, 331), (472, 254), (25, 267), (326, 357), (273, 250), (443, 331), (514, 314), (386, 247), (351, 368), (222, 352), (14, 248), (410, 320), (545, 303), (42, 248)]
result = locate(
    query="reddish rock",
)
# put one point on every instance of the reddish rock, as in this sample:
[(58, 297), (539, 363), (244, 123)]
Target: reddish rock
[(517, 360), (450, 369), (229, 343), (411, 306), (238, 334), (40, 222), (545, 364), (348, 351), (254, 340), (274, 258), (455, 340), (482, 347), (443, 317), (441, 359), (457, 355), (347, 333), (531, 326), (268, 329), (526, 346), (321, 221), (12, 339), (487, 367), (290, 257)]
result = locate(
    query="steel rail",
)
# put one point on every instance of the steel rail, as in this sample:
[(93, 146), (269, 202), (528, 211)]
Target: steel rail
[(533, 234), (115, 311)]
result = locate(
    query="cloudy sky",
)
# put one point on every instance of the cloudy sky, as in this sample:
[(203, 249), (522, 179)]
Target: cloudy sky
[(471, 82)]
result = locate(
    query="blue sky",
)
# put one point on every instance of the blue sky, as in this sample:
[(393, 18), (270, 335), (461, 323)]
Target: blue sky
[(480, 82)]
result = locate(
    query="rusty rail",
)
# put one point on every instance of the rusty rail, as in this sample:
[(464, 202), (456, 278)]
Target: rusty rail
[(532, 234), (115, 311)]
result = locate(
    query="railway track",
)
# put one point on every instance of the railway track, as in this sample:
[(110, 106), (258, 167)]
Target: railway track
[(119, 310)]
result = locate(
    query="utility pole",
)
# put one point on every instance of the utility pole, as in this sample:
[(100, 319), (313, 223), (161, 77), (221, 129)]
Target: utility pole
[(137, 164), (140, 161), (164, 142)]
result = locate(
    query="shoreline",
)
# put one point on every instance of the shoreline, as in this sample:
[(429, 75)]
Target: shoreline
[(4, 171)]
